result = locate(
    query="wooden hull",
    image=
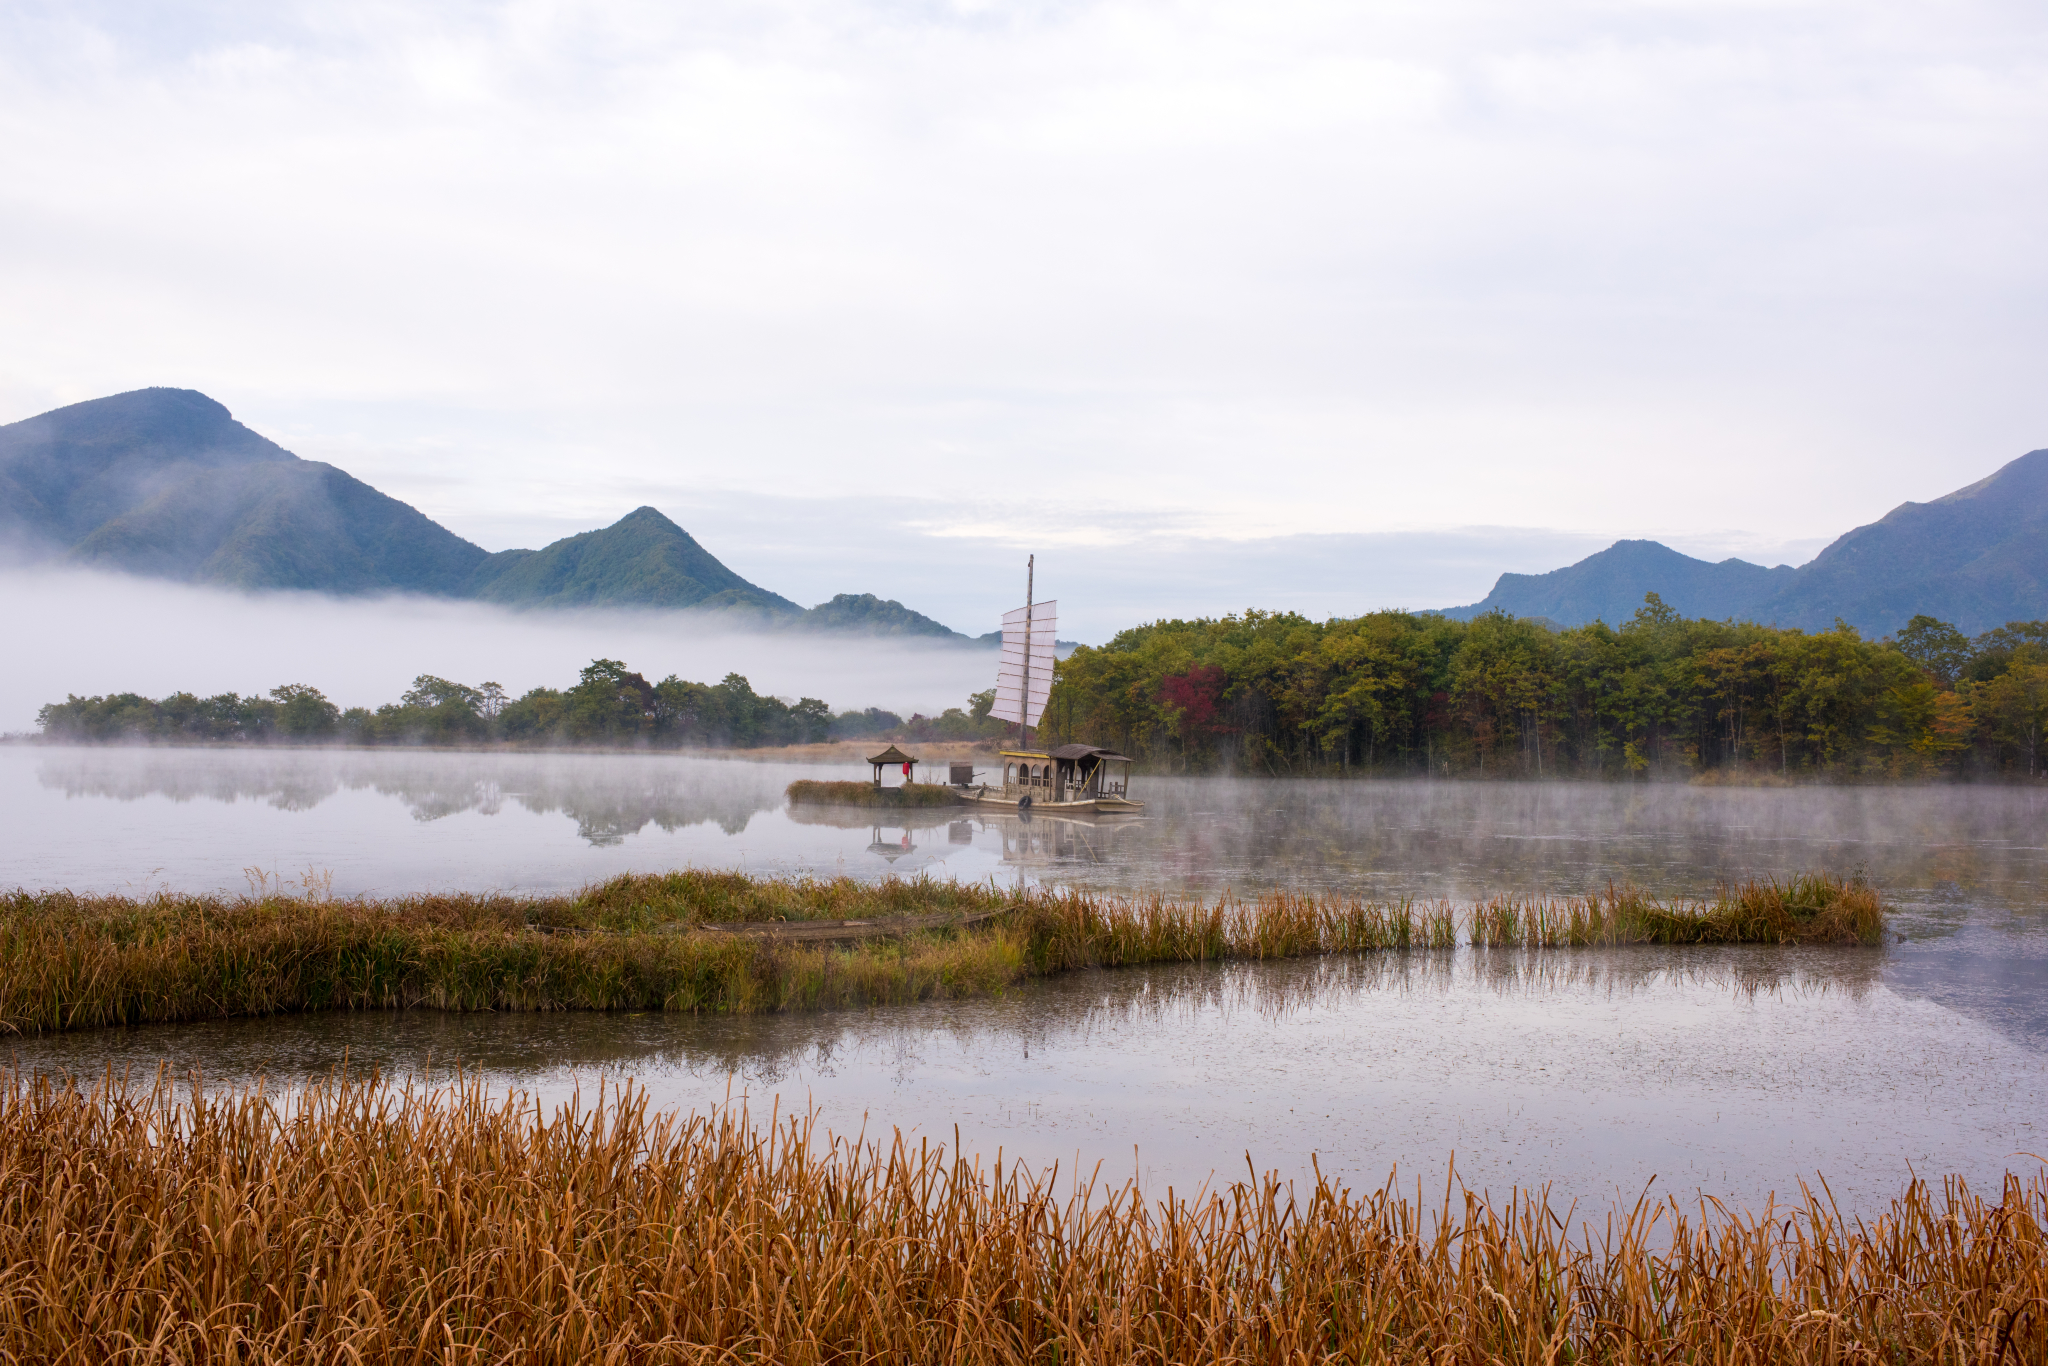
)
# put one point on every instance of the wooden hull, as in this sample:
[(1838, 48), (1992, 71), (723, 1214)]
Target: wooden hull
[(1086, 806)]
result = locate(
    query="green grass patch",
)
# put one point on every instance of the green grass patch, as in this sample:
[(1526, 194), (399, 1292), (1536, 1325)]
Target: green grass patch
[(70, 961)]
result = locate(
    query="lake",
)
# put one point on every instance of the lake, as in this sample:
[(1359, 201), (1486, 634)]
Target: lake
[(1731, 1072)]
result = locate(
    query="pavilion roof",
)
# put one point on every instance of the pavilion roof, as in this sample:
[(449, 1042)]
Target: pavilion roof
[(892, 755)]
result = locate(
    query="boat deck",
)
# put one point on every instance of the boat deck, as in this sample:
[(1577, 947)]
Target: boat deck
[(987, 796)]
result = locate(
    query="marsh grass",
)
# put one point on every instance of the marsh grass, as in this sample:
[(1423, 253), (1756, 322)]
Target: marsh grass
[(359, 1222), (808, 792), (70, 961), (1813, 908)]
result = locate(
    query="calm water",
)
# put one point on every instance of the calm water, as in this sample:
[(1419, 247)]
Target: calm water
[(1733, 1072)]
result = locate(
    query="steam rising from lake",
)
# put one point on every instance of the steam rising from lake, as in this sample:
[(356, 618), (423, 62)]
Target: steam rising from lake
[(69, 631)]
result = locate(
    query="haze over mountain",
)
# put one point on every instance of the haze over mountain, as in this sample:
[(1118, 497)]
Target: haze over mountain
[(165, 483), (1976, 558)]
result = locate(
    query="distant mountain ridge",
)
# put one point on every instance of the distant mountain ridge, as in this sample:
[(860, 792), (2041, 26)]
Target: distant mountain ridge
[(1976, 558), (165, 483)]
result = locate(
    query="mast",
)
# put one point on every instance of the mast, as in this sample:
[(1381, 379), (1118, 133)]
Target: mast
[(1024, 711)]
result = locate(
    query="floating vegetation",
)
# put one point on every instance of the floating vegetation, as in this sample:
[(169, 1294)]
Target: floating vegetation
[(357, 1221), (636, 942), (806, 792)]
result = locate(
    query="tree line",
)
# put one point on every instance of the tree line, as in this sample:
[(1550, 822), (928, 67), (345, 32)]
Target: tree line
[(610, 705), (1411, 693)]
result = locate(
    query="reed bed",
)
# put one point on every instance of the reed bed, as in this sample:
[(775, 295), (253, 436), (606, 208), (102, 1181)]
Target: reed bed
[(69, 961), (1815, 908), (357, 1222), (809, 792)]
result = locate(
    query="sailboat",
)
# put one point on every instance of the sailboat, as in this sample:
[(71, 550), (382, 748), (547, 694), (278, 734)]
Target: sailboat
[(1069, 780)]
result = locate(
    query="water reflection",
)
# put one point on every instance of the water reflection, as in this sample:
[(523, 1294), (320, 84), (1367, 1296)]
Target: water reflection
[(1732, 1072), (1955, 849), (1050, 845), (611, 799), (1964, 868)]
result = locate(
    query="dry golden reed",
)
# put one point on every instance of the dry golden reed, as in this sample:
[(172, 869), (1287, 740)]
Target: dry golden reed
[(368, 1224), (69, 961)]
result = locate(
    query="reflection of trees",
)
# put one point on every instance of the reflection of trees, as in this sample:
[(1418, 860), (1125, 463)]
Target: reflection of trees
[(130, 775), (608, 796)]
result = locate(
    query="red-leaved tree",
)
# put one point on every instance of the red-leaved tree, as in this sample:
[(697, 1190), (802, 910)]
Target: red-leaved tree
[(1197, 698)]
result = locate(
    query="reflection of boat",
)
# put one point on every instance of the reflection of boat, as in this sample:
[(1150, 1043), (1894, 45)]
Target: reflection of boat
[(1033, 838), (1070, 779)]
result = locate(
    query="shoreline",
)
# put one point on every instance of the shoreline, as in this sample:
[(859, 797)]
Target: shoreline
[(854, 754)]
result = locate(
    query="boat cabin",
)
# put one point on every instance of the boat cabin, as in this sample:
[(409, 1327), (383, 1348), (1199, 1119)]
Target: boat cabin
[(1071, 773)]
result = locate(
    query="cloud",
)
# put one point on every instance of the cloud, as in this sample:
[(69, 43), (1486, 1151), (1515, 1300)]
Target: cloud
[(1240, 271)]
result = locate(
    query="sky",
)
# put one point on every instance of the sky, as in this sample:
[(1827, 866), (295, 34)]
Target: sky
[(1314, 306)]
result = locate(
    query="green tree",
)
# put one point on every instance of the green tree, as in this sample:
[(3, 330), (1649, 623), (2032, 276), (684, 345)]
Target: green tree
[(304, 713), (1937, 647)]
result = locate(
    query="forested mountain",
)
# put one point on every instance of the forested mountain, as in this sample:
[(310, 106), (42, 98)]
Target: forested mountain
[(165, 483), (867, 613), (1976, 558), (66, 472), (641, 560)]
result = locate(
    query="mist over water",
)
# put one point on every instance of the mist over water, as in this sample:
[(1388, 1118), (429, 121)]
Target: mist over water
[(70, 631), (1733, 1072)]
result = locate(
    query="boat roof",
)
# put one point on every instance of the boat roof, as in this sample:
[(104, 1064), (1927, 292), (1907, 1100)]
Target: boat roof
[(1070, 753)]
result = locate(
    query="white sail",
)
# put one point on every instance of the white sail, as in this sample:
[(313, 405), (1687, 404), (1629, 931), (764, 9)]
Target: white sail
[(1017, 700)]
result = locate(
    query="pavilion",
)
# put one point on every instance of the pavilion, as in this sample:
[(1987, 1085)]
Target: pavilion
[(892, 756)]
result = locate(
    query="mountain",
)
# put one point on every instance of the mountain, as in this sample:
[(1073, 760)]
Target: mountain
[(870, 615), (1976, 558), (64, 473), (1609, 586), (641, 560), (165, 483), (299, 525)]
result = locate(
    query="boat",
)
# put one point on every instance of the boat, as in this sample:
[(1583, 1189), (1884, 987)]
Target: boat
[(1070, 780)]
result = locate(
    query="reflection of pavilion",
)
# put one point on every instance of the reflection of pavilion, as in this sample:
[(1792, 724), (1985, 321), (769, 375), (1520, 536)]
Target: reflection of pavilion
[(891, 847)]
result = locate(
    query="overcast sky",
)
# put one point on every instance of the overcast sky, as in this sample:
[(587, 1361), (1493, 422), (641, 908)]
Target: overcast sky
[(1328, 306)]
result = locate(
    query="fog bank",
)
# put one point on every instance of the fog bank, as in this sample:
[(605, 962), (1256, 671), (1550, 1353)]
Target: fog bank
[(69, 631)]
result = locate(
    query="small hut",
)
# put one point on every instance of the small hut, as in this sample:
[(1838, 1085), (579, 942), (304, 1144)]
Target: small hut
[(889, 756)]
